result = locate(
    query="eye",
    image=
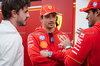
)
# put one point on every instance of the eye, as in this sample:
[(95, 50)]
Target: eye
[(47, 16), (26, 11), (54, 15)]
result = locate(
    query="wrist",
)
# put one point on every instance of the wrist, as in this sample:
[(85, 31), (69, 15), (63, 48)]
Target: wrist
[(67, 47)]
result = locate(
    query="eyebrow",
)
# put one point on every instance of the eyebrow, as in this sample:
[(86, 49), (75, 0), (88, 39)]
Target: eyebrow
[(26, 11)]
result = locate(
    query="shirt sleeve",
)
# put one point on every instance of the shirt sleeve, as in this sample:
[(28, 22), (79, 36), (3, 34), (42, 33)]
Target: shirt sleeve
[(59, 56), (80, 51), (9, 51), (34, 53)]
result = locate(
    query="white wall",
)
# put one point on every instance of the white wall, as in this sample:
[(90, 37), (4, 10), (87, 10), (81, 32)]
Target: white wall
[(80, 16)]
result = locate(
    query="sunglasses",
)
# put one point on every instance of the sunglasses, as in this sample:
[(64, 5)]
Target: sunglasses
[(51, 37)]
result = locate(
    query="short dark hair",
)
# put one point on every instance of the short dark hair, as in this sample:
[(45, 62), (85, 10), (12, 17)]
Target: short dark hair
[(94, 10), (42, 16), (9, 5)]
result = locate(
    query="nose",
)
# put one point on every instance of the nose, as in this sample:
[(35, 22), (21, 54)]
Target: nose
[(28, 14), (51, 19), (87, 17)]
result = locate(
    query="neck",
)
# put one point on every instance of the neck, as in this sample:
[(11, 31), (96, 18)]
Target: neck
[(51, 30), (97, 19), (14, 23)]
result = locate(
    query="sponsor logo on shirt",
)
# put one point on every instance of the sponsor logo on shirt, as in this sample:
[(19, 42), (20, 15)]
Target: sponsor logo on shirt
[(79, 40), (77, 46), (30, 45), (82, 35), (30, 42), (42, 37), (58, 36), (44, 44)]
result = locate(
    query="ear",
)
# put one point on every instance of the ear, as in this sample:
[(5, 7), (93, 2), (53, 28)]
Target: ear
[(13, 13), (98, 12), (41, 19)]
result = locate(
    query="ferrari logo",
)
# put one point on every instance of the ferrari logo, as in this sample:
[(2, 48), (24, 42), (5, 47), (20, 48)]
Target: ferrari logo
[(59, 21), (49, 7), (58, 36)]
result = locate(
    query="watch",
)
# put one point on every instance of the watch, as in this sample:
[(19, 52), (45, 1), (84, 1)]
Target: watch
[(50, 53), (67, 47)]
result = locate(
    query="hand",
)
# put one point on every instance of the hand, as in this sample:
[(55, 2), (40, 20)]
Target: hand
[(63, 50), (79, 30), (64, 41), (44, 53), (72, 43)]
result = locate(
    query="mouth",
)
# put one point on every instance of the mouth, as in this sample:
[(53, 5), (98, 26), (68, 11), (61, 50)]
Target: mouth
[(51, 23)]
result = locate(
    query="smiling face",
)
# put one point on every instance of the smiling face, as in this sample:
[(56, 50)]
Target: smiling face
[(22, 16), (48, 21)]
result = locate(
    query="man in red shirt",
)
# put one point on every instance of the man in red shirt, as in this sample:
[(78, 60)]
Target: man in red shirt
[(43, 43), (86, 51)]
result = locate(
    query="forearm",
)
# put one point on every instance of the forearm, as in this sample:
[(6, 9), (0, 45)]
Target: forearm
[(42, 61), (58, 56)]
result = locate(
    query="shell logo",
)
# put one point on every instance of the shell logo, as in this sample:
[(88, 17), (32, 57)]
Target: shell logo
[(44, 44)]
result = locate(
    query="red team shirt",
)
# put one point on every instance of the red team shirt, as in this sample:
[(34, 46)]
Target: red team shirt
[(86, 51), (40, 40)]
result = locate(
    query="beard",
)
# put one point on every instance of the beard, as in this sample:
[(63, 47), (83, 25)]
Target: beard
[(91, 24), (52, 25), (21, 22)]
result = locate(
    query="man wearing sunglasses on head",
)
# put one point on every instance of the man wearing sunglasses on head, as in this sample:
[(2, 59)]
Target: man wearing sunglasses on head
[(43, 43)]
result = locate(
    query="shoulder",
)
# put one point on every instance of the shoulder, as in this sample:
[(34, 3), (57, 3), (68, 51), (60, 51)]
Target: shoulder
[(9, 41), (36, 34), (89, 31), (62, 33), (15, 38), (7, 28), (3, 27)]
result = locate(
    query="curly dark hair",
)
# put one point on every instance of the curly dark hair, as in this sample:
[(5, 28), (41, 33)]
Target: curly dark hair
[(9, 5)]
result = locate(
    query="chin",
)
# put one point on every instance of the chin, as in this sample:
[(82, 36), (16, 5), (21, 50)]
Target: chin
[(22, 24), (90, 25), (25, 24)]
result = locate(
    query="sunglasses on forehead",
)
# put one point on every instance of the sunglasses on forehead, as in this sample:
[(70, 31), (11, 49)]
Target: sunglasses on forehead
[(51, 37)]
